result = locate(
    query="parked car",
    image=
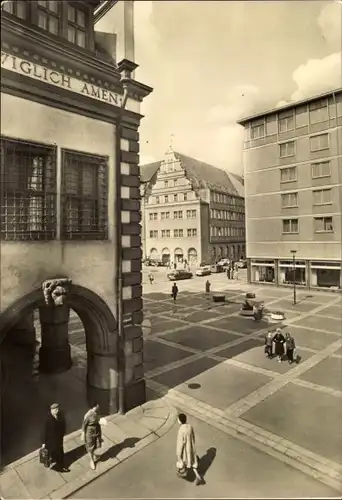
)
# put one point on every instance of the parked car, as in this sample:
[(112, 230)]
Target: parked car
[(179, 274), (224, 262), (203, 271), (216, 268), (242, 263), (153, 263)]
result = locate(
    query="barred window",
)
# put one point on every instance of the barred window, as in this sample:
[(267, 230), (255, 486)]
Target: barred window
[(28, 191), (85, 196)]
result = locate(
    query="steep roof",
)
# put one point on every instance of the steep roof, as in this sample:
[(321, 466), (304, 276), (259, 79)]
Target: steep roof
[(201, 174)]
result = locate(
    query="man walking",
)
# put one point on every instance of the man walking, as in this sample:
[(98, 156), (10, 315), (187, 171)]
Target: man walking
[(54, 432), (186, 449), (290, 347), (174, 292)]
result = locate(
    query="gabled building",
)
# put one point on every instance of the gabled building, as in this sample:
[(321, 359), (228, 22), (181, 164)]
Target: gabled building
[(191, 211)]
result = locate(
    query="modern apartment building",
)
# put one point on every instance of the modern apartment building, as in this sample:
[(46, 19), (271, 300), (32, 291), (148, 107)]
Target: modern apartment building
[(191, 211), (293, 192)]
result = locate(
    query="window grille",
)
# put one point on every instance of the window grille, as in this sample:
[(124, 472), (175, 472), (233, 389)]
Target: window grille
[(84, 196), (28, 191)]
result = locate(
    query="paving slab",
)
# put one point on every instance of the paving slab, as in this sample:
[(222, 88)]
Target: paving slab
[(318, 298), (289, 414), (321, 323), (166, 325), (245, 346), (327, 373), (301, 307), (156, 296), (39, 485), (333, 311), (173, 378), (157, 354), (312, 338), (241, 324), (200, 337), (223, 385), (339, 351), (203, 315), (12, 486)]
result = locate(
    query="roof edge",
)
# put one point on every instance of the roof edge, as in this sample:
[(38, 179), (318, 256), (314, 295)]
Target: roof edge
[(242, 121)]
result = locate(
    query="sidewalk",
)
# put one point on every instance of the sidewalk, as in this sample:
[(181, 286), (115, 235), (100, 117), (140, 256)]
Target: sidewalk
[(123, 436)]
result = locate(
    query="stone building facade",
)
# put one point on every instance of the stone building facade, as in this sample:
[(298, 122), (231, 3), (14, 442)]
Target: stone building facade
[(191, 211)]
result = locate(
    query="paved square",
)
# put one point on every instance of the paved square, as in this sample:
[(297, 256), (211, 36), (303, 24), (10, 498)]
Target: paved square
[(157, 355), (242, 325), (184, 373), (203, 315), (161, 327), (157, 295), (235, 350), (302, 307), (333, 311), (200, 337), (311, 338), (289, 413), (321, 323), (223, 385), (339, 351), (318, 298), (194, 301), (327, 373)]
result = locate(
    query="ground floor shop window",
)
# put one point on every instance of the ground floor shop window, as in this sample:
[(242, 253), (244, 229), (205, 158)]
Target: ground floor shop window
[(288, 273), (263, 271), (325, 274)]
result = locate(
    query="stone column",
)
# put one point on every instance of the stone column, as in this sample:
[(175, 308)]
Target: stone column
[(24, 332), (102, 381), (55, 352)]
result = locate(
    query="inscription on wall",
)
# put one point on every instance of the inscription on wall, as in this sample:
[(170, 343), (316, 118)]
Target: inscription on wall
[(58, 79)]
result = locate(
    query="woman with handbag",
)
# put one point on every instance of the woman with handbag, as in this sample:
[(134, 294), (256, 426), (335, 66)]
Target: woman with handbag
[(91, 433), (186, 449)]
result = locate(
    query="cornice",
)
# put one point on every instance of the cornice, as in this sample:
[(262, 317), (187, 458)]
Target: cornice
[(57, 53), (138, 91)]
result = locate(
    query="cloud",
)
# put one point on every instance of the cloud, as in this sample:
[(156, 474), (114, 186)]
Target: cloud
[(329, 21), (145, 159)]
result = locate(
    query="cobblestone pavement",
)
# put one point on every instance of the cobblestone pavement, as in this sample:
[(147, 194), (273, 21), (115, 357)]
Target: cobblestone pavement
[(210, 361)]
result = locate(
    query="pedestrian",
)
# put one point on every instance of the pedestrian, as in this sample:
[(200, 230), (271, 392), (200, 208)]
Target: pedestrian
[(236, 273), (279, 341), (174, 291), (207, 286), (290, 347), (91, 433), (186, 449), (228, 272), (54, 432), (269, 345), (151, 278)]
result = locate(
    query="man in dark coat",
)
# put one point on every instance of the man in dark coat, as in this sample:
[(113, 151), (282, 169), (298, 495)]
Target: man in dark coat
[(279, 341), (54, 432), (174, 292)]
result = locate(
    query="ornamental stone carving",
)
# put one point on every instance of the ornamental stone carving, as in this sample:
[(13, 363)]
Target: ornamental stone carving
[(56, 290)]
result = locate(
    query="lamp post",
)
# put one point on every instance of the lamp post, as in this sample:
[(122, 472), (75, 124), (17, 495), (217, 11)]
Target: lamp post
[(294, 276)]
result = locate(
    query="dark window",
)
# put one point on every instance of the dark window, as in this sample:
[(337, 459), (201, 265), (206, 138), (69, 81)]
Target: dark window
[(85, 188), (49, 16), (77, 26), (28, 191), (17, 8)]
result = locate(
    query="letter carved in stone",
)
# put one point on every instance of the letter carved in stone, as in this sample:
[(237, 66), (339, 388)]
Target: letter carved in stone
[(56, 290)]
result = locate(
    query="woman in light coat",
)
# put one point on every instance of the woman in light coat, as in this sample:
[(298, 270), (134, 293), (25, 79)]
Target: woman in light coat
[(186, 449)]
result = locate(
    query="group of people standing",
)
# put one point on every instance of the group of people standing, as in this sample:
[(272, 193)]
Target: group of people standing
[(55, 429), (233, 271), (280, 344)]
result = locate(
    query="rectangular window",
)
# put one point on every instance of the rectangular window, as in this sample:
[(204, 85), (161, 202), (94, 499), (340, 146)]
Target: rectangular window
[(323, 225), (166, 184), (319, 142), (153, 234), (286, 149), (165, 215), (288, 174), (166, 199), (290, 226), (49, 16), (289, 200), (77, 32), (85, 196), (318, 111), (257, 130), (18, 8), (157, 200), (28, 191), (322, 197), (175, 197), (286, 121), (178, 214), (321, 169), (165, 233), (191, 232), (191, 214)]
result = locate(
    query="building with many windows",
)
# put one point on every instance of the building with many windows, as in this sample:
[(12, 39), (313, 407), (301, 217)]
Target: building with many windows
[(293, 189), (191, 211), (70, 199)]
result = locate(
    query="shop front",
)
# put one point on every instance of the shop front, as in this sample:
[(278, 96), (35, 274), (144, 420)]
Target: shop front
[(262, 271), (166, 256), (288, 273), (179, 255), (325, 274)]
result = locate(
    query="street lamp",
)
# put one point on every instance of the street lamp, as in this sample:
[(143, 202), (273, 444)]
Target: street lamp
[(294, 276)]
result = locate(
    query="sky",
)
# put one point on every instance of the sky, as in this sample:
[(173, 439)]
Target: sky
[(212, 62)]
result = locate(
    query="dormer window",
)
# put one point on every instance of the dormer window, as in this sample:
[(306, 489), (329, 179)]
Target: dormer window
[(18, 8), (48, 16), (77, 26)]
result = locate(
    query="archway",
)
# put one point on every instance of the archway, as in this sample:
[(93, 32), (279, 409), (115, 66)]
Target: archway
[(89, 380), (154, 253), (192, 256), (239, 256), (179, 255), (243, 251), (166, 256)]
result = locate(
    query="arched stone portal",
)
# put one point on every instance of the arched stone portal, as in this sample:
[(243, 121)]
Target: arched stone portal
[(101, 339), (192, 256), (179, 255), (166, 255), (154, 253)]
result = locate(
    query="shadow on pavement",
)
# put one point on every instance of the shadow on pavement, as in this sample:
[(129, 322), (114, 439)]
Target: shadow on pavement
[(74, 455), (114, 450), (206, 461)]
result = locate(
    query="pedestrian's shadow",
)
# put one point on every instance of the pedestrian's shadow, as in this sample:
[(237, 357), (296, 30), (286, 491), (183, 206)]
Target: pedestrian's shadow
[(114, 450), (74, 455), (204, 463)]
